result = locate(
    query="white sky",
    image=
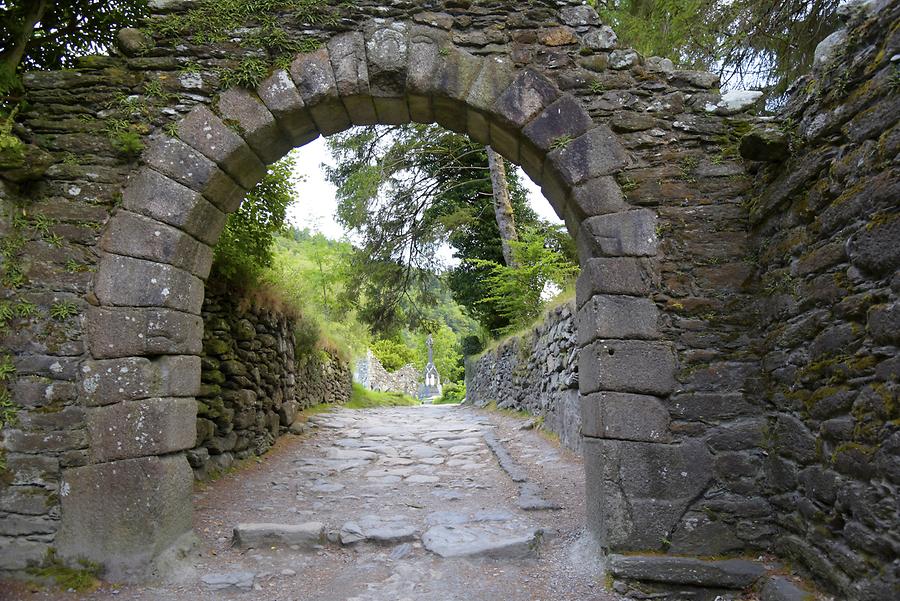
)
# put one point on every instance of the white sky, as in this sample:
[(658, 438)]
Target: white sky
[(316, 204)]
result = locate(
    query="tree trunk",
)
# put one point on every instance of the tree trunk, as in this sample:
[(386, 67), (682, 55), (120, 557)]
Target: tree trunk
[(12, 56), (503, 211)]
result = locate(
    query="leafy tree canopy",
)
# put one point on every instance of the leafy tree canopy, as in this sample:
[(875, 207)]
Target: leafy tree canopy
[(47, 34), (245, 247), (519, 293), (757, 44), (405, 191)]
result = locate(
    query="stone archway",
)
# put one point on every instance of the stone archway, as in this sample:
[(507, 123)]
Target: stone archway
[(145, 332), (653, 266)]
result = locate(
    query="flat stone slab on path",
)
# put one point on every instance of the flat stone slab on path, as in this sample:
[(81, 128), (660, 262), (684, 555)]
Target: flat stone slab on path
[(305, 536), (481, 541)]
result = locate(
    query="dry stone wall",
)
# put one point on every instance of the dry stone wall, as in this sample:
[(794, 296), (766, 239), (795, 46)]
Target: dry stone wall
[(535, 372), (827, 224), (254, 382)]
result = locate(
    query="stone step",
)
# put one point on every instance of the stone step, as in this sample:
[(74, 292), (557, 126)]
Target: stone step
[(306, 536), (481, 541), (666, 569)]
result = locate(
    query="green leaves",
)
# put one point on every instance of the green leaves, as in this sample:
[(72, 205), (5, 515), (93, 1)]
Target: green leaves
[(245, 248), (519, 294), (755, 44)]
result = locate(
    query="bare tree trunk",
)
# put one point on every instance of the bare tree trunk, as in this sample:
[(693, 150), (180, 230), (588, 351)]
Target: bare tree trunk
[(503, 211), (12, 56)]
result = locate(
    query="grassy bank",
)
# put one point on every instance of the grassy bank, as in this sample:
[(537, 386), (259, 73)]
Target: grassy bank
[(363, 398)]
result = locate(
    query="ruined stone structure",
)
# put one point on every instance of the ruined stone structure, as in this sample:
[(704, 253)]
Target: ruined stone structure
[(371, 374), (736, 324), (536, 372), (254, 381)]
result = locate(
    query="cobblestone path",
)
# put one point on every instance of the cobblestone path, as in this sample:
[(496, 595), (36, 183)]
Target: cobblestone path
[(432, 503)]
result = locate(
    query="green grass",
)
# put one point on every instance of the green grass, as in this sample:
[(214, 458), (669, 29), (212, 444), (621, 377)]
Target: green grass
[(363, 398), (81, 579), (446, 401)]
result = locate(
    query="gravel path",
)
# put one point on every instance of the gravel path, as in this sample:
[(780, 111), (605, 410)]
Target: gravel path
[(412, 505)]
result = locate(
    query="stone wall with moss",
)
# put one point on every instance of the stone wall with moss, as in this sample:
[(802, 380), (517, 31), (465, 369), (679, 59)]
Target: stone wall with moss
[(827, 221), (535, 372), (255, 381)]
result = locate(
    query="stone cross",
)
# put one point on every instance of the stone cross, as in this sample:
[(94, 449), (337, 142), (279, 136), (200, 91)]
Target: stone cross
[(430, 341)]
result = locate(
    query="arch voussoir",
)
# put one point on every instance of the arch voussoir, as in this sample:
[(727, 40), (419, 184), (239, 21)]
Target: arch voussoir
[(280, 95), (314, 78), (258, 127), (347, 52), (205, 132), (189, 167), (154, 195)]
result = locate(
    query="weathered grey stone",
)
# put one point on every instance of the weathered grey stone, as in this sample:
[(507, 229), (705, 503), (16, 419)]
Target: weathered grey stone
[(579, 16), (736, 101), (495, 76), (560, 123), (525, 98), (480, 541), (765, 144), (307, 535), (205, 132), (632, 233), (455, 76), (20, 553), (315, 81), (133, 42), (154, 195), (140, 237), (351, 73), (616, 275), (283, 100), (623, 59), (125, 332), (240, 581), (607, 316), (141, 428), (828, 49), (425, 61), (256, 124), (128, 282), (638, 491), (874, 249), (780, 588), (132, 378), (726, 573), (602, 38), (387, 51), (598, 196), (596, 153), (695, 79), (627, 366), (178, 161), (146, 511), (625, 417)]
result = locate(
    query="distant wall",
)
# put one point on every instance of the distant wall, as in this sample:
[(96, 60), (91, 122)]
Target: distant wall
[(535, 372), (372, 374), (255, 382)]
